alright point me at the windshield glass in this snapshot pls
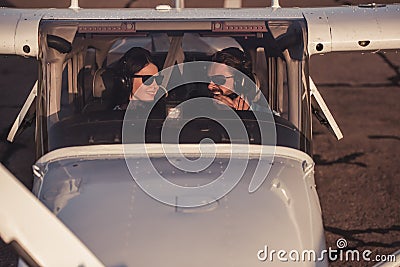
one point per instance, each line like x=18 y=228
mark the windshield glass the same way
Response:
x=193 y=83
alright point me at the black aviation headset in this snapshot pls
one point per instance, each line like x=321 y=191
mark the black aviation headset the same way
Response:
x=122 y=77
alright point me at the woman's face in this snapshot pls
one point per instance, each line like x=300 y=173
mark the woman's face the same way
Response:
x=142 y=91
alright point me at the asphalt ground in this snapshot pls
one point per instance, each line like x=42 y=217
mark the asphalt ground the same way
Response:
x=358 y=177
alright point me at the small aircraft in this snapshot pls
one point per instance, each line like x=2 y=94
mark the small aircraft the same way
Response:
x=195 y=183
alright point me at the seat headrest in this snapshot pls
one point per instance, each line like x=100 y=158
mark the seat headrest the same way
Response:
x=98 y=85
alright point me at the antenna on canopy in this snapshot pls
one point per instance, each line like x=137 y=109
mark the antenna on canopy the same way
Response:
x=74 y=4
x=179 y=3
x=275 y=4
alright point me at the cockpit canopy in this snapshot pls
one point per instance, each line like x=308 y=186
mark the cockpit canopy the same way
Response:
x=77 y=97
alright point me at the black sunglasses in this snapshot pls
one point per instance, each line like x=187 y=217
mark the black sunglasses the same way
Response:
x=218 y=79
x=149 y=79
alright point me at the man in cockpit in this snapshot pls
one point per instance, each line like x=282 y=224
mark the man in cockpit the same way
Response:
x=234 y=89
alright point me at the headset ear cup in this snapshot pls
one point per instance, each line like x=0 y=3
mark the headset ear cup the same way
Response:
x=122 y=83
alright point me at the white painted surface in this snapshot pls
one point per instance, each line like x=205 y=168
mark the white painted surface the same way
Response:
x=336 y=28
x=342 y=28
x=25 y=220
x=97 y=198
x=19 y=28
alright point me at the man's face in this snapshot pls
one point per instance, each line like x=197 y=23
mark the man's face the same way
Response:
x=222 y=86
x=224 y=74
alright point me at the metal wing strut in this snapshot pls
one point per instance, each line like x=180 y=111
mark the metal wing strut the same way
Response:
x=322 y=112
x=21 y=116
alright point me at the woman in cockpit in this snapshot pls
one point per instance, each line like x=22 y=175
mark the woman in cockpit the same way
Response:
x=137 y=78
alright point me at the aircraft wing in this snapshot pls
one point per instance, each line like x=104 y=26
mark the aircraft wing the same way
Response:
x=346 y=28
x=369 y=27
x=353 y=28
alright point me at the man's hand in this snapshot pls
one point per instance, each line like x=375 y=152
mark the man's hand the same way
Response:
x=238 y=103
